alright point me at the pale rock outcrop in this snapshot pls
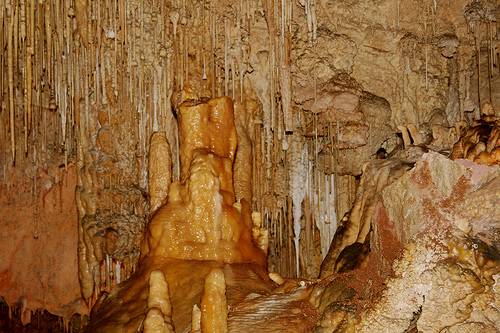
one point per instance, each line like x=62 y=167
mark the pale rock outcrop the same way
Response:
x=446 y=264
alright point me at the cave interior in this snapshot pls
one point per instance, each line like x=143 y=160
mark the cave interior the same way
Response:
x=250 y=166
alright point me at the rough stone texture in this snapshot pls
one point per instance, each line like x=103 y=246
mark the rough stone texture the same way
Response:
x=438 y=189
x=38 y=231
x=447 y=264
x=358 y=141
x=351 y=243
x=246 y=113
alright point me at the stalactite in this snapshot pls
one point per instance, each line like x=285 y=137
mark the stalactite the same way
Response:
x=490 y=58
x=10 y=74
x=299 y=157
x=286 y=81
x=477 y=40
x=426 y=67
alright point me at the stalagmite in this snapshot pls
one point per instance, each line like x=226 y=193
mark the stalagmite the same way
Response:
x=160 y=170
x=196 y=320
x=159 y=314
x=154 y=322
x=158 y=293
x=213 y=303
x=217 y=230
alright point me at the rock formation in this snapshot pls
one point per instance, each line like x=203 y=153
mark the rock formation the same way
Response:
x=413 y=236
x=292 y=153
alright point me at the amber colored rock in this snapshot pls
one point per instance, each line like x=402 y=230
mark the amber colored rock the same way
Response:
x=207 y=126
x=481 y=142
x=200 y=221
x=245 y=114
x=125 y=308
x=213 y=303
x=104 y=141
x=199 y=251
x=160 y=170
x=103 y=118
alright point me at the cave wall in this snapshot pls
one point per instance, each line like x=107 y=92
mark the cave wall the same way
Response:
x=328 y=82
x=38 y=243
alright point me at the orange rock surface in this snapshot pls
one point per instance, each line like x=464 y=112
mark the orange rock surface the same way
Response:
x=38 y=244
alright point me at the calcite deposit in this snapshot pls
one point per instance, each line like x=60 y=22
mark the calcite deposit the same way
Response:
x=481 y=142
x=201 y=242
x=447 y=277
x=252 y=165
x=201 y=219
x=407 y=247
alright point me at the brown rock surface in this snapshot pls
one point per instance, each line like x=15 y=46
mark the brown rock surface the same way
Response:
x=38 y=244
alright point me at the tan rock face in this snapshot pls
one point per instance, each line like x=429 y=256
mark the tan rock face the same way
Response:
x=417 y=240
x=427 y=206
x=351 y=243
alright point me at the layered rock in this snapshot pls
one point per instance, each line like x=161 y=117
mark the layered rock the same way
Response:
x=433 y=244
x=447 y=264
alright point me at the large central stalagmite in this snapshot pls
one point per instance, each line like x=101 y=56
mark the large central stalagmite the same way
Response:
x=198 y=249
x=201 y=220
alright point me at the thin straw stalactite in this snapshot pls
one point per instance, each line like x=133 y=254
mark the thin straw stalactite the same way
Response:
x=10 y=74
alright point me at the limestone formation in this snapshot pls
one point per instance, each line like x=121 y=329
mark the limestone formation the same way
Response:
x=214 y=304
x=146 y=144
x=200 y=220
x=160 y=170
x=481 y=142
